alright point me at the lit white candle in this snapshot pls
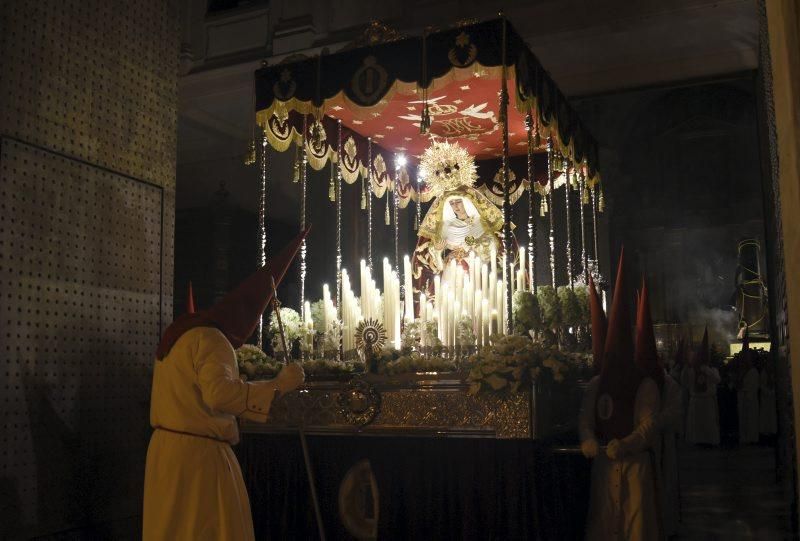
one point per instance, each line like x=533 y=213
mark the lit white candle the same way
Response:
x=476 y=314
x=493 y=258
x=484 y=278
x=501 y=295
x=522 y=268
x=408 y=289
x=485 y=319
x=492 y=294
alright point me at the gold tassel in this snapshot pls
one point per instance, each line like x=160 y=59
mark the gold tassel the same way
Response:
x=331 y=189
x=601 y=203
x=363 y=196
x=296 y=175
x=387 y=216
x=416 y=222
x=543 y=206
x=585 y=196
x=250 y=157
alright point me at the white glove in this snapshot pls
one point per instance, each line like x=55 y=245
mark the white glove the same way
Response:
x=590 y=448
x=290 y=377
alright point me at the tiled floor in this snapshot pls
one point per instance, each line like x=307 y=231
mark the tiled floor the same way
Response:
x=732 y=494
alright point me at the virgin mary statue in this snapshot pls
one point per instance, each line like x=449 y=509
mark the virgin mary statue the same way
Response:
x=461 y=220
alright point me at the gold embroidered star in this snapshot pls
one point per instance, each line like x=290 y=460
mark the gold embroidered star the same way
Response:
x=465 y=87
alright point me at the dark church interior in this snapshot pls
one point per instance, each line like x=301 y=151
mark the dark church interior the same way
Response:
x=421 y=269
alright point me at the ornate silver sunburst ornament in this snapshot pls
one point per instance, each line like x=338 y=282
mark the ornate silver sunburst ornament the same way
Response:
x=370 y=336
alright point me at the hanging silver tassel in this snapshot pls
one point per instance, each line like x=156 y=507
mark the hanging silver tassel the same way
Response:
x=388 y=216
x=363 y=196
x=332 y=187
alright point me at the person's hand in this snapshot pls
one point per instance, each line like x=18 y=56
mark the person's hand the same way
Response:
x=290 y=378
x=614 y=449
x=590 y=448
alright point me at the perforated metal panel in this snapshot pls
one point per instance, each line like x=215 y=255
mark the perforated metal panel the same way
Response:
x=80 y=266
x=88 y=97
x=93 y=79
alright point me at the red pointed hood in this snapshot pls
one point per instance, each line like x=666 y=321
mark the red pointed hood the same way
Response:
x=619 y=376
x=646 y=353
x=237 y=313
x=619 y=342
x=190 y=309
x=599 y=326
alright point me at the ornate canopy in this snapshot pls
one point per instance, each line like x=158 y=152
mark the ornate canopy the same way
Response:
x=379 y=90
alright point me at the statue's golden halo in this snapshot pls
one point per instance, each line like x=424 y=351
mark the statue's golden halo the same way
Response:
x=447 y=166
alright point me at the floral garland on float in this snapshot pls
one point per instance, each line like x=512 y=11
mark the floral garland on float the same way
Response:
x=539 y=352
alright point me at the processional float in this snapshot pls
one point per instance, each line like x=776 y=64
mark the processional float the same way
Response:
x=464 y=119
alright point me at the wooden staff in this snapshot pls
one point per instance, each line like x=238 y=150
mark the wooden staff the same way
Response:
x=303 y=443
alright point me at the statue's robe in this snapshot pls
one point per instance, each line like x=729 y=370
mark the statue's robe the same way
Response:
x=193 y=486
x=623 y=504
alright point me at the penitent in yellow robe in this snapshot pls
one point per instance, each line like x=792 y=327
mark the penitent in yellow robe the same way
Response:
x=193 y=487
x=623 y=504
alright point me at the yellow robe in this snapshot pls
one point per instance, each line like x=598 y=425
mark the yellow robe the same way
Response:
x=193 y=486
x=623 y=503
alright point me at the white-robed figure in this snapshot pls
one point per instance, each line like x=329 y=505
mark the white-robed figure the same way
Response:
x=193 y=487
x=669 y=419
x=747 y=396
x=617 y=429
x=702 y=421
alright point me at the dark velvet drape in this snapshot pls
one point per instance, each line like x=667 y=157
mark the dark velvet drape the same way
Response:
x=429 y=488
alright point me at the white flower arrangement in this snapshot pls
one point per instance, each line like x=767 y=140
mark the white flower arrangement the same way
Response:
x=465 y=335
x=317 y=314
x=254 y=363
x=411 y=337
x=414 y=362
x=513 y=362
x=333 y=336
x=293 y=328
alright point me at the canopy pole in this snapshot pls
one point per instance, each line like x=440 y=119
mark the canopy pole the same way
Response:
x=531 y=210
x=567 y=189
x=395 y=198
x=551 y=183
x=303 y=179
x=584 y=200
x=594 y=223
x=369 y=202
x=262 y=227
x=340 y=350
x=509 y=312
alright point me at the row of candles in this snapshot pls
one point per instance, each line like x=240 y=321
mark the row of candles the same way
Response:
x=477 y=293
